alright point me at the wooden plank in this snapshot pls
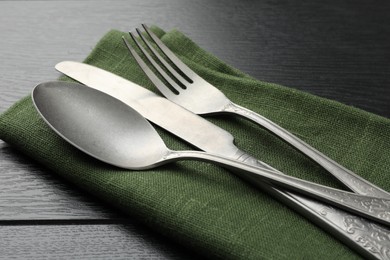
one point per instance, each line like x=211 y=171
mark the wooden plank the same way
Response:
x=336 y=49
x=120 y=241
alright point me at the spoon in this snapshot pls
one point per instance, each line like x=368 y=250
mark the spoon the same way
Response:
x=113 y=132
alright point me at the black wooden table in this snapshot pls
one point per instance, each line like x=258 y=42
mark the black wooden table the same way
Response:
x=335 y=49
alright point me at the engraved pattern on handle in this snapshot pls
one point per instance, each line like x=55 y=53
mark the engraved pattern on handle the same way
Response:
x=350 y=179
x=377 y=207
x=372 y=237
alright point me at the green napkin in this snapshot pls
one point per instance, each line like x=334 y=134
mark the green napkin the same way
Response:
x=201 y=205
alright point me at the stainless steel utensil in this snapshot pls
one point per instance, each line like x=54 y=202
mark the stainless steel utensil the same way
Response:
x=367 y=238
x=113 y=132
x=200 y=97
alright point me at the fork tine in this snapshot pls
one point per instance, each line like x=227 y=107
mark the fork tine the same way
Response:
x=156 y=81
x=170 y=55
x=183 y=81
x=156 y=66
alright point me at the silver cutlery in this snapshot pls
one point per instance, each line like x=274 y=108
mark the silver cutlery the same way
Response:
x=111 y=131
x=366 y=237
x=200 y=97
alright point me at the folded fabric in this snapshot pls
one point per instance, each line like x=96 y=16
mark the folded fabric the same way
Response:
x=203 y=206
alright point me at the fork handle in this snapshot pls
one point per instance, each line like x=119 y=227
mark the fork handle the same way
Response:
x=350 y=179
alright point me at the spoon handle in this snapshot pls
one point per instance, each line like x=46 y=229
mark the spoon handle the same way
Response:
x=377 y=209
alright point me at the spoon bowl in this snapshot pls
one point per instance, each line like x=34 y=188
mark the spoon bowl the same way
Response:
x=99 y=125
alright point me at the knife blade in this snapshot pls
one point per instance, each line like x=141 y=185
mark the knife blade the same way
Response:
x=198 y=132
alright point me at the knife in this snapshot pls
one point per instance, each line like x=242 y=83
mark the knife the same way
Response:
x=369 y=239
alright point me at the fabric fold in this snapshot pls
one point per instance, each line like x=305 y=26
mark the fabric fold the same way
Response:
x=203 y=206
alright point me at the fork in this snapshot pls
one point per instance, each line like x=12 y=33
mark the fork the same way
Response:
x=189 y=90
x=359 y=233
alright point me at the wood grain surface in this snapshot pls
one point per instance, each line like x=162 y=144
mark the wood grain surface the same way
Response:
x=335 y=49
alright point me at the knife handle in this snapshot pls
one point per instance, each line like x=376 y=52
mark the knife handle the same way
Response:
x=370 y=239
